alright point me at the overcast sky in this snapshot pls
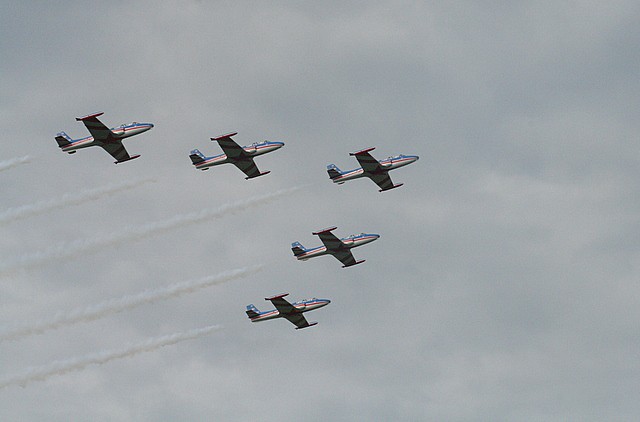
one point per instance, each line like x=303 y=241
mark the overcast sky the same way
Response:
x=505 y=282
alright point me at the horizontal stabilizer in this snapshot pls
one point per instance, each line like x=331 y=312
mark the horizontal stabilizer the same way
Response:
x=355 y=263
x=392 y=187
x=327 y=230
x=228 y=135
x=133 y=157
x=311 y=324
x=280 y=296
x=89 y=116
x=362 y=151
x=258 y=175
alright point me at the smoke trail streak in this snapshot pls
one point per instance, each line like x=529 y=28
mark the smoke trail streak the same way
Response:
x=61 y=367
x=68 y=199
x=13 y=162
x=113 y=306
x=83 y=246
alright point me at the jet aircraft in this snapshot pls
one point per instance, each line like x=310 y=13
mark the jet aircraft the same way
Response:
x=109 y=139
x=241 y=157
x=339 y=248
x=378 y=171
x=291 y=311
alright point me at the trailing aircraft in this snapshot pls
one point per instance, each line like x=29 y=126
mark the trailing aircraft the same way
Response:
x=109 y=139
x=241 y=157
x=290 y=311
x=378 y=171
x=339 y=248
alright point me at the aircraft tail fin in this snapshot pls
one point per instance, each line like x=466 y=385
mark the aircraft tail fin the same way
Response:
x=334 y=173
x=252 y=311
x=63 y=139
x=196 y=157
x=298 y=249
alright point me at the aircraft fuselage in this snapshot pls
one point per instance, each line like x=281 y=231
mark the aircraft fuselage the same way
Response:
x=299 y=307
x=252 y=150
x=390 y=163
x=352 y=241
x=118 y=133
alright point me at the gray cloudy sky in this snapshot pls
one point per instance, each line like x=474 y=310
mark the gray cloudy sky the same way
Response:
x=505 y=283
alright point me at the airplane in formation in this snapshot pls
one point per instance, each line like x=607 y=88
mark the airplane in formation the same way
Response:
x=290 y=311
x=378 y=171
x=241 y=157
x=339 y=248
x=109 y=139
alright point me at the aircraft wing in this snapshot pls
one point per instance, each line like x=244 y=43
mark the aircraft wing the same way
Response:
x=298 y=320
x=383 y=181
x=368 y=163
x=347 y=259
x=281 y=304
x=329 y=239
x=118 y=151
x=248 y=167
x=287 y=311
x=230 y=147
x=97 y=129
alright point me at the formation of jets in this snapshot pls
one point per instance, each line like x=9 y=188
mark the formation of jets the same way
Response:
x=110 y=139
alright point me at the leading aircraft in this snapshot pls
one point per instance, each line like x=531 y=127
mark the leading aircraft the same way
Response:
x=109 y=139
x=241 y=157
x=291 y=311
x=339 y=248
x=378 y=171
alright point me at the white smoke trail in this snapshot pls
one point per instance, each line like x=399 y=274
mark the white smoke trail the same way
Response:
x=13 y=162
x=61 y=367
x=78 y=247
x=68 y=199
x=113 y=306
